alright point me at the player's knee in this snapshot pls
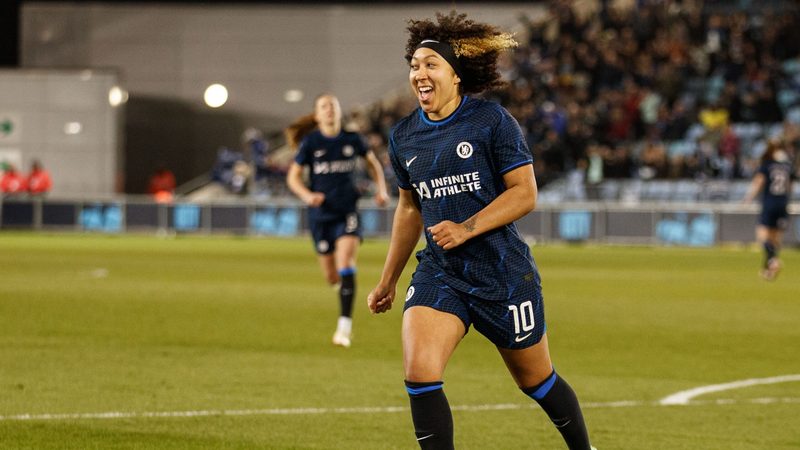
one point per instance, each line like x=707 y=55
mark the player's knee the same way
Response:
x=422 y=374
x=541 y=389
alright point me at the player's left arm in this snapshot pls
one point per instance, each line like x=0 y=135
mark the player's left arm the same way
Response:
x=375 y=170
x=518 y=199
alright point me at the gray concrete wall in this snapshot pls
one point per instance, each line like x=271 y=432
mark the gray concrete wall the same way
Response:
x=258 y=51
x=64 y=119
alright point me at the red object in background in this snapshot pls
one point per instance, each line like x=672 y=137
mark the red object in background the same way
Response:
x=163 y=197
x=162 y=180
x=12 y=182
x=39 y=181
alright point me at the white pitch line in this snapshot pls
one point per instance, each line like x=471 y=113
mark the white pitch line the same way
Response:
x=354 y=410
x=683 y=397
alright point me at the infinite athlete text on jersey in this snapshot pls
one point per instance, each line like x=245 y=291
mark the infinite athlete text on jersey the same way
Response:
x=449 y=185
x=340 y=166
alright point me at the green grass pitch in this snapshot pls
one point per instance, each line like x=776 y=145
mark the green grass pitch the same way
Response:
x=138 y=342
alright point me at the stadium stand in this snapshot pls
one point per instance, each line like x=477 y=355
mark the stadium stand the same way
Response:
x=678 y=98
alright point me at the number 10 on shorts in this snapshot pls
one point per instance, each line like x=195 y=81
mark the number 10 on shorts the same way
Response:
x=523 y=315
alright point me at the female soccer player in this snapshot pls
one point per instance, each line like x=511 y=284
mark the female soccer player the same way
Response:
x=331 y=154
x=774 y=177
x=466 y=175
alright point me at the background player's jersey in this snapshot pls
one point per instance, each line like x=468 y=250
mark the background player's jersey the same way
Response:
x=778 y=178
x=332 y=166
x=455 y=167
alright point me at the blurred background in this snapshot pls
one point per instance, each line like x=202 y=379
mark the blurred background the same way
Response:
x=134 y=76
x=153 y=114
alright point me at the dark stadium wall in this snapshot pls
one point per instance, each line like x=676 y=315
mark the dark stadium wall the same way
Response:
x=180 y=136
x=9 y=33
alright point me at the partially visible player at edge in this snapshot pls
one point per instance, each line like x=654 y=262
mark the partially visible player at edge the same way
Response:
x=331 y=155
x=774 y=181
x=465 y=175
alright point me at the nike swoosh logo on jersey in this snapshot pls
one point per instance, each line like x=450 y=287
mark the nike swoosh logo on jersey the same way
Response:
x=409 y=161
x=424 y=437
x=522 y=338
x=319 y=153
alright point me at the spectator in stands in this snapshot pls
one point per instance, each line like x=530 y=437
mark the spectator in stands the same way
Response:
x=729 y=149
x=767 y=106
x=714 y=116
x=594 y=168
x=653 y=162
x=256 y=149
x=12 y=182
x=617 y=161
x=231 y=171
x=38 y=181
x=162 y=184
x=576 y=140
x=774 y=182
x=678 y=122
x=240 y=177
x=551 y=154
x=744 y=107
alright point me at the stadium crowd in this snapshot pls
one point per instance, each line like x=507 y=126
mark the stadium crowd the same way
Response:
x=615 y=90
x=644 y=90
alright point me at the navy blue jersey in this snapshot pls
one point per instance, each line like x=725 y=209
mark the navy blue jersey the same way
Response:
x=455 y=167
x=777 y=183
x=332 y=163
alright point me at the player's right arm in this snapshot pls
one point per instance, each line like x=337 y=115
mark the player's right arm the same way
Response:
x=755 y=187
x=294 y=179
x=406 y=230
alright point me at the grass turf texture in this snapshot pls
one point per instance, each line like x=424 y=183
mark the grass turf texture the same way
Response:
x=136 y=325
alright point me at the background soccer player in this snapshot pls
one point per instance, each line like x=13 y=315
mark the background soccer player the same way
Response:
x=465 y=175
x=331 y=155
x=774 y=178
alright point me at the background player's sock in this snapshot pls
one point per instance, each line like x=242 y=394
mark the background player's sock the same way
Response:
x=433 y=421
x=343 y=335
x=347 y=291
x=345 y=325
x=560 y=403
x=769 y=253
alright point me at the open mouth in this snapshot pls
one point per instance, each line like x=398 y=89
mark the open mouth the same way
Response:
x=425 y=93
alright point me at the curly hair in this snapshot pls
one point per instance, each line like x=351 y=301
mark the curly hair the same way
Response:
x=477 y=46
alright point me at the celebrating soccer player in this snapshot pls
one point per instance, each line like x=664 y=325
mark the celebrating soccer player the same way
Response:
x=465 y=175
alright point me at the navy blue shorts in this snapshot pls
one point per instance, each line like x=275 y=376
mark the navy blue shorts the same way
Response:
x=513 y=324
x=776 y=217
x=326 y=233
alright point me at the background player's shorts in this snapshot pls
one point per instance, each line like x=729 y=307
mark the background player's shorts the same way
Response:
x=326 y=233
x=514 y=324
x=774 y=217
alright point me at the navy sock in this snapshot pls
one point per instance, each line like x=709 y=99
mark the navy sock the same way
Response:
x=433 y=421
x=770 y=252
x=347 y=291
x=559 y=401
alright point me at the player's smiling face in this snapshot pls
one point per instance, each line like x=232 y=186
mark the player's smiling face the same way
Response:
x=434 y=83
